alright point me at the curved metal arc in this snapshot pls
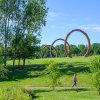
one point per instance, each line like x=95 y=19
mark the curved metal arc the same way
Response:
x=56 y=41
x=42 y=53
x=79 y=30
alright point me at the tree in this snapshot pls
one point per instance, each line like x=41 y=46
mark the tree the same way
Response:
x=4 y=25
x=3 y=70
x=82 y=49
x=29 y=46
x=95 y=68
x=26 y=46
x=74 y=50
x=53 y=73
x=60 y=50
x=9 y=22
x=45 y=51
x=95 y=48
x=21 y=17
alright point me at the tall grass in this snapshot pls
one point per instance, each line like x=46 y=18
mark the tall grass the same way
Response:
x=13 y=94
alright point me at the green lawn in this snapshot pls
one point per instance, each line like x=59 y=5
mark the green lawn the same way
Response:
x=60 y=60
x=66 y=94
x=32 y=75
x=60 y=93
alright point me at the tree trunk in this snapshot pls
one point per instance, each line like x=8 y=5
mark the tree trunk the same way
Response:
x=6 y=34
x=5 y=41
x=24 y=61
x=19 y=61
x=14 y=57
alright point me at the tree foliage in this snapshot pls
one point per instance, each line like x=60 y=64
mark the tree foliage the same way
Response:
x=95 y=68
x=74 y=50
x=53 y=73
x=19 y=19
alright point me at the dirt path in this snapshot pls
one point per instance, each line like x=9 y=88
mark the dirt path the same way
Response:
x=59 y=87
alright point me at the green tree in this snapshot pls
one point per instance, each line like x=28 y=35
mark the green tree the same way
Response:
x=53 y=73
x=74 y=50
x=21 y=17
x=60 y=50
x=82 y=49
x=45 y=51
x=29 y=46
x=26 y=46
x=4 y=25
x=3 y=70
x=95 y=48
x=95 y=68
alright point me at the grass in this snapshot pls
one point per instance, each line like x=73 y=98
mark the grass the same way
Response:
x=59 y=60
x=13 y=94
x=32 y=76
x=66 y=94
x=61 y=93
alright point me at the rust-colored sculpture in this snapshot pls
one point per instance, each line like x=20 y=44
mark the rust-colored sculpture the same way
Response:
x=67 y=47
x=66 y=44
x=48 y=46
x=79 y=30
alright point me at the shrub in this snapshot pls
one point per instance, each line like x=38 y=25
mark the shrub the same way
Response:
x=97 y=81
x=53 y=73
x=13 y=94
x=3 y=70
x=95 y=64
x=95 y=68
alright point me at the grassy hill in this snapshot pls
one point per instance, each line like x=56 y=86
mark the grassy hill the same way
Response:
x=32 y=75
x=59 y=60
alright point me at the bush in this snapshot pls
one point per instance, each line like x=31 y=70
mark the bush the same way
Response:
x=53 y=73
x=97 y=81
x=95 y=68
x=3 y=70
x=95 y=64
x=13 y=94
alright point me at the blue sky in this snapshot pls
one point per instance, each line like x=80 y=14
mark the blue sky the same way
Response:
x=65 y=15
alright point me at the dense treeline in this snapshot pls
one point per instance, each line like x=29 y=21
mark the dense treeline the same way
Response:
x=34 y=51
x=75 y=50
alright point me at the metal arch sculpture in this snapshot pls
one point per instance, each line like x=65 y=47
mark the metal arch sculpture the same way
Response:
x=42 y=53
x=56 y=41
x=84 y=33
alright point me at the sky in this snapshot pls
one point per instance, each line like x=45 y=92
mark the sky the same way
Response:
x=66 y=15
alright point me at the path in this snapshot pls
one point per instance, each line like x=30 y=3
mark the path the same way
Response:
x=59 y=87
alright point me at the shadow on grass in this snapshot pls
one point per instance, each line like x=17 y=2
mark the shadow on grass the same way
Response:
x=36 y=70
x=76 y=67
x=61 y=90
x=30 y=71
x=33 y=93
x=42 y=90
x=74 y=89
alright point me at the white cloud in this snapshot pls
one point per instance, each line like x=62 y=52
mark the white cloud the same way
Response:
x=92 y=27
x=52 y=14
x=97 y=29
x=84 y=27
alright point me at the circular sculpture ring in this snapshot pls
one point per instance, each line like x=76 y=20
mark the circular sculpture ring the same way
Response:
x=79 y=30
x=67 y=47
x=42 y=53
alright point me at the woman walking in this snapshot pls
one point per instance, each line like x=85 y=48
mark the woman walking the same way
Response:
x=74 y=80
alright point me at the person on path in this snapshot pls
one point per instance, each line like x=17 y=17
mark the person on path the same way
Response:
x=75 y=81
